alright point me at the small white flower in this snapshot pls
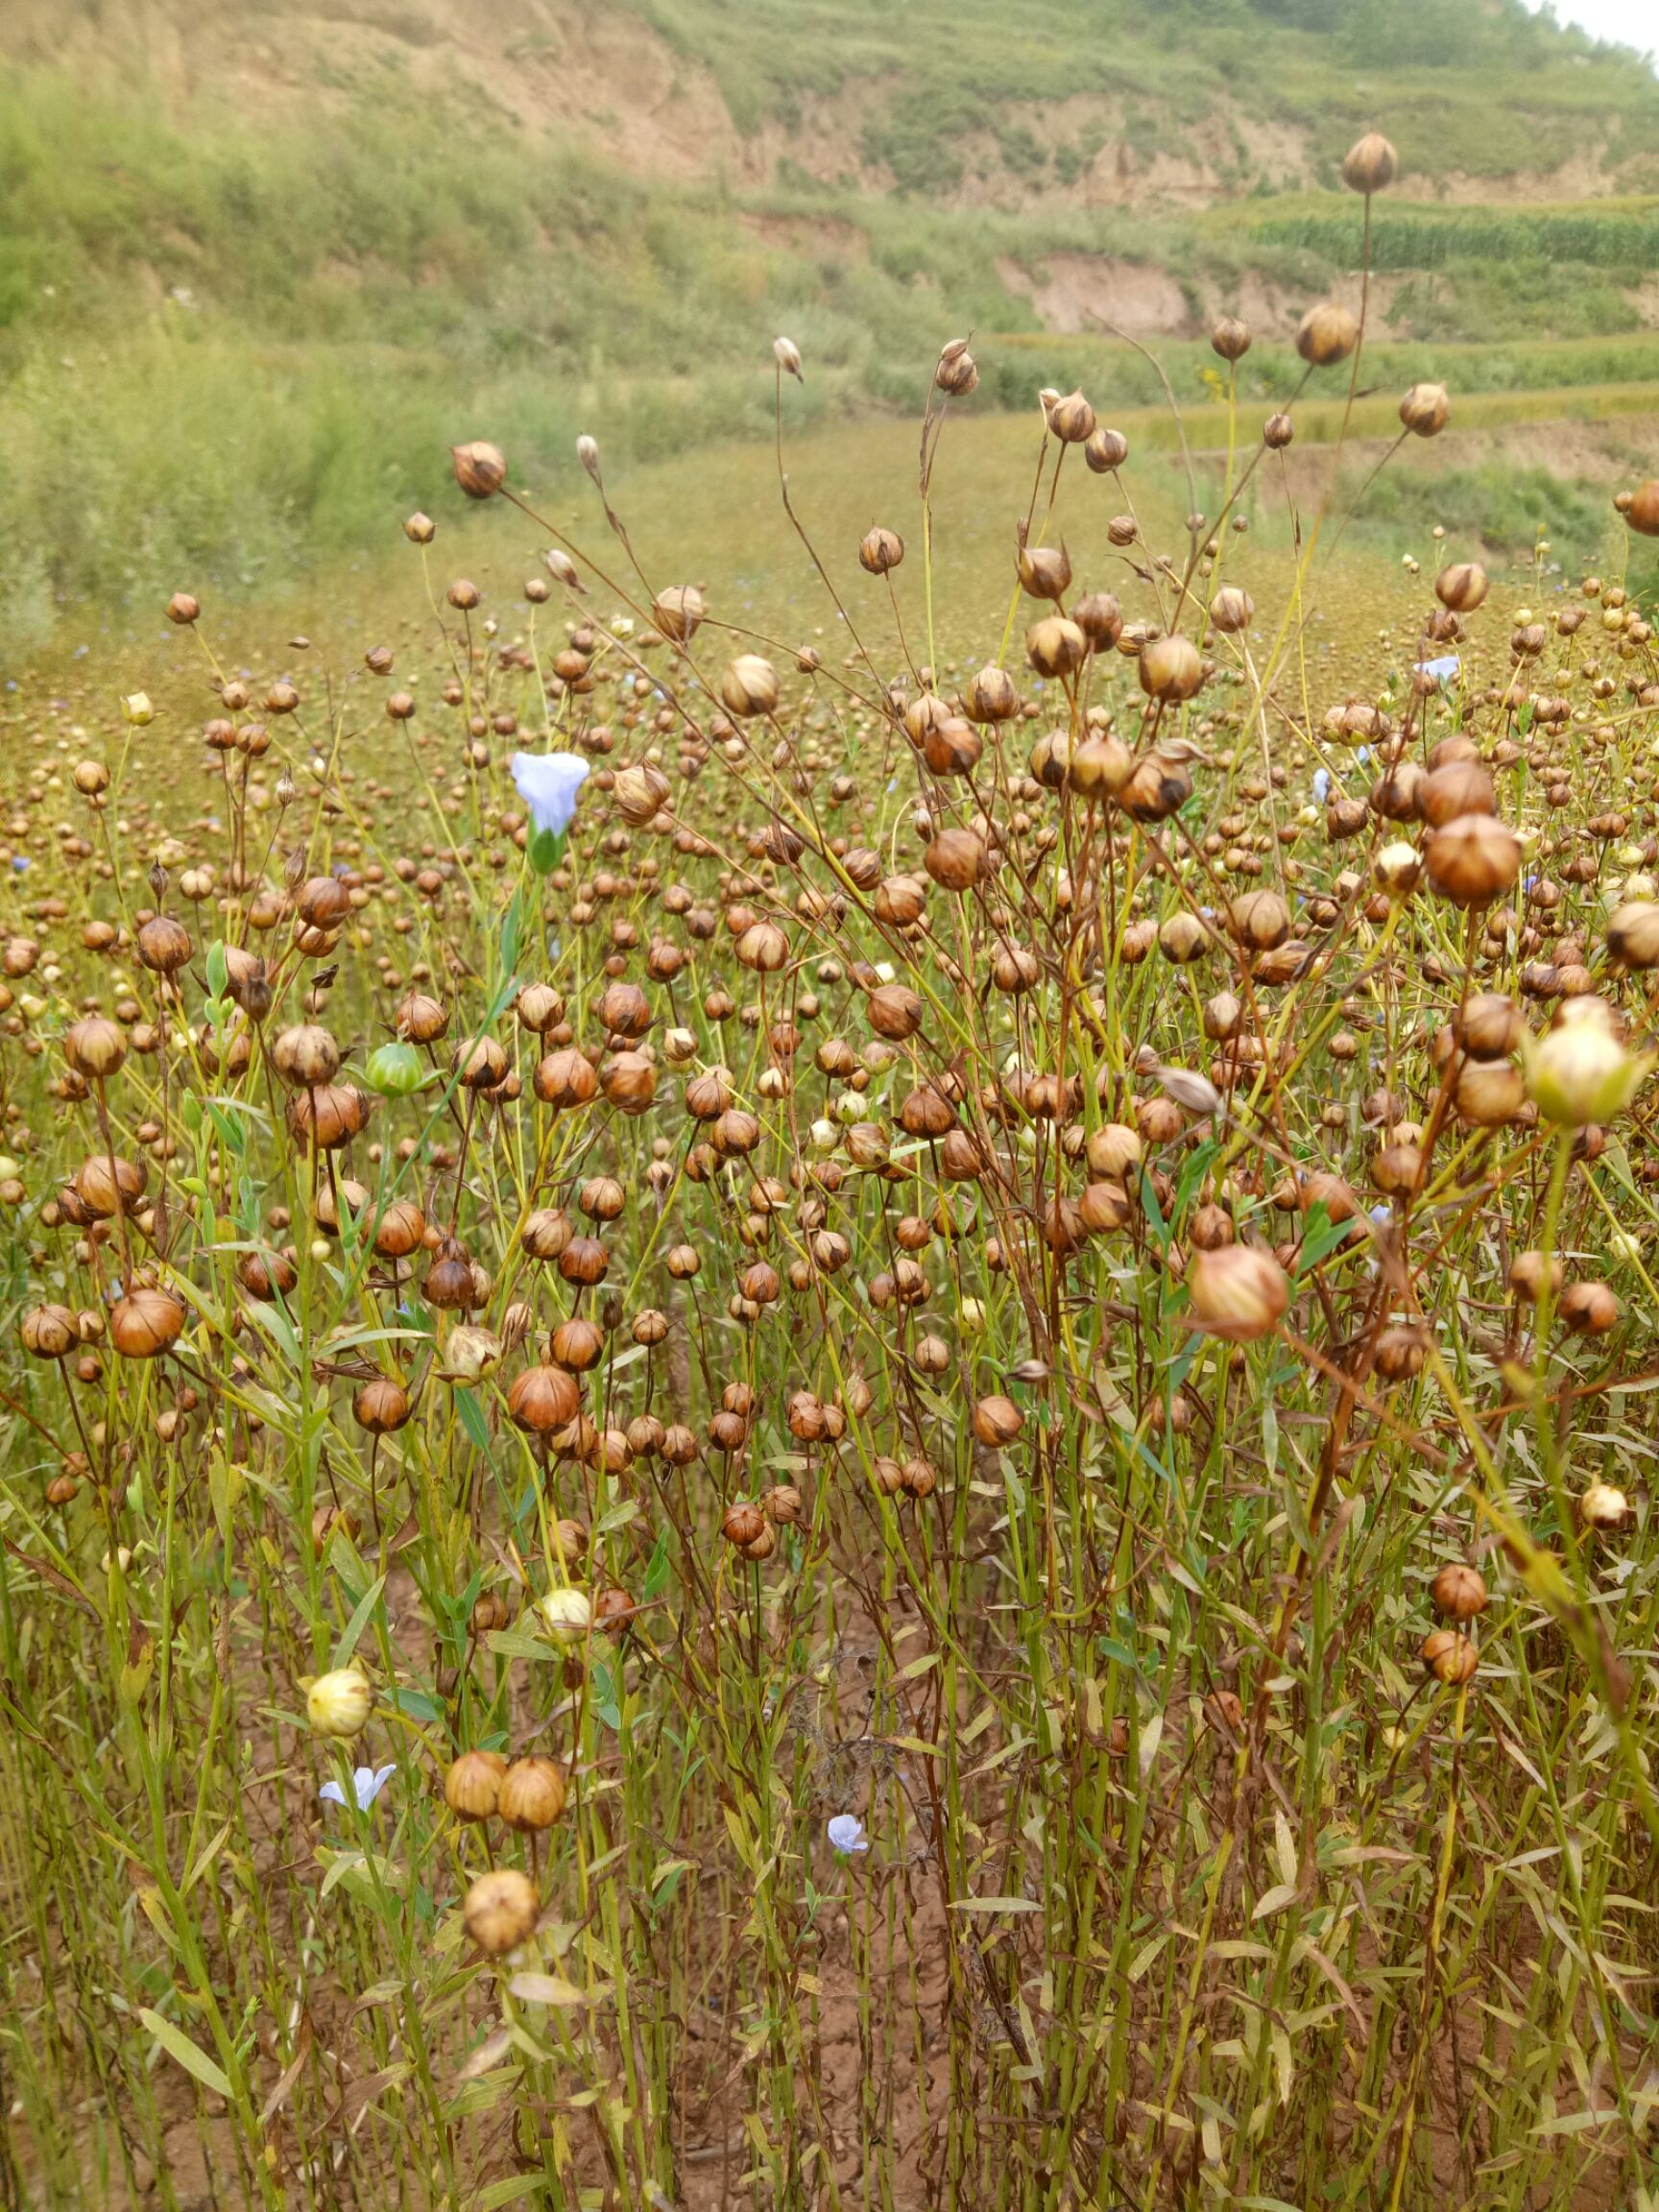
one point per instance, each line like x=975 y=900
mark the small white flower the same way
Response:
x=548 y=784
x=846 y=1835
x=368 y=1782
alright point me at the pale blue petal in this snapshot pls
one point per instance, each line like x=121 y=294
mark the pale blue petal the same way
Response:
x=331 y=1794
x=548 y=783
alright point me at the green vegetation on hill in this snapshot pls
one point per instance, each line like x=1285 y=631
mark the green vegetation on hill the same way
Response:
x=1485 y=91
x=229 y=346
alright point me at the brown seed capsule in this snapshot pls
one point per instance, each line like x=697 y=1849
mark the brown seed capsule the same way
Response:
x=1106 y=451
x=1230 y=339
x=1370 y=164
x=920 y=1477
x=1238 y=1293
x=543 y=1400
x=881 y=552
x=1643 y=512
x=950 y=748
x=565 y=1079
x=956 y=374
x=1398 y=1170
x=489 y=1613
x=473 y=1785
x=783 y=1505
x=1425 y=410
x=1182 y=939
x=381 y=1406
x=400 y=1230
x=678 y=611
x=501 y=1910
x=1072 y=419
x=996 y=1421
x=49 y=1332
x=164 y=944
x=1400 y=1353
x=1458 y=1591
x=1326 y=335
x=629 y=1082
x=989 y=696
x=1590 y=1309
x=1632 y=933
x=1489 y=1026
x=1449 y=1657
x=1055 y=646
x=1463 y=587
x=1045 y=570
x=887 y=1474
x=1277 y=432
x=306 y=1057
x=94 y=1048
x=957 y=859
x=545 y=1232
x=1473 y=859
x=419 y=1019
x=1526 y=1275
x=645 y=1436
x=1171 y=668
x=1232 y=608
x=104 y=1187
x=749 y=687
x=330 y=1117
x=1259 y=921
x=577 y=1345
x=895 y=1011
x=146 y=1323
x=1104 y=1208
x=1460 y=787
x=1224 y=1711
x=538 y=1008
x=532 y=1794
x=479 y=1063
x=1099 y=617
x=1490 y=1093
x=480 y=468
x=742 y=1523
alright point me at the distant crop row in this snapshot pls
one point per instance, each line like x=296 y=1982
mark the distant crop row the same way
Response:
x=1611 y=241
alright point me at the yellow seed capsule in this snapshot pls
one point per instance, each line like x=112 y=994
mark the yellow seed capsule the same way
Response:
x=501 y=1910
x=337 y=1703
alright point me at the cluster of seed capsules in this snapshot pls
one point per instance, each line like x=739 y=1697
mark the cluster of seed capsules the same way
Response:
x=922 y=1074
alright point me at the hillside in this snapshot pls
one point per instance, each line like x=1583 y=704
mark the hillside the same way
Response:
x=1100 y=104
x=314 y=243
